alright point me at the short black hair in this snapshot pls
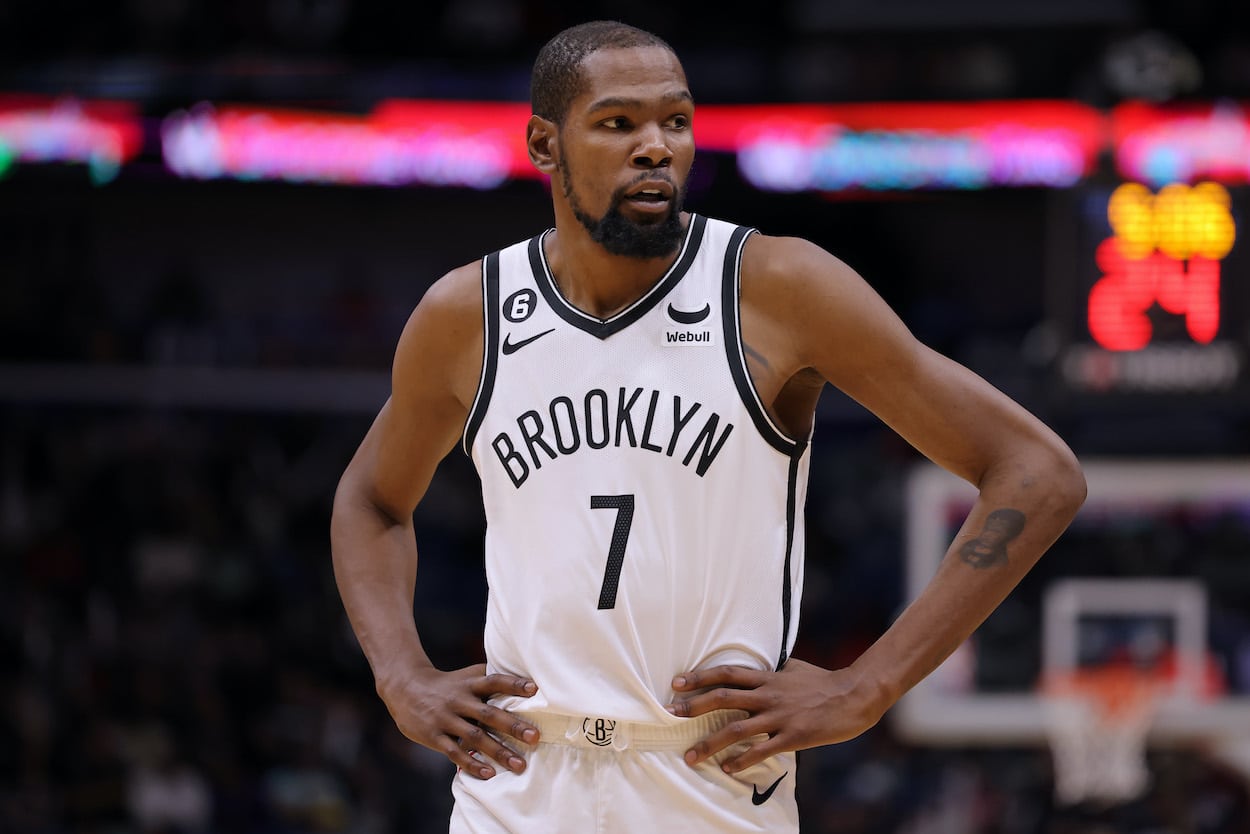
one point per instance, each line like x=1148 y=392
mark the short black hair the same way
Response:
x=557 y=76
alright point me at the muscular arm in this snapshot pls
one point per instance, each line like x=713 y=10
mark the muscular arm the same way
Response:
x=434 y=378
x=809 y=316
x=1030 y=483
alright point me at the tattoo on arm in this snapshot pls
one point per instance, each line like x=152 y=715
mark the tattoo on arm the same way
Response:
x=752 y=353
x=990 y=548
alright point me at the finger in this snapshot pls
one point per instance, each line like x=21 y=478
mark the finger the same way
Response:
x=474 y=738
x=736 y=676
x=502 y=721
x=498 y=684
x=731 y=733
x=705 y=702
x=463 y=759
x=753 y=755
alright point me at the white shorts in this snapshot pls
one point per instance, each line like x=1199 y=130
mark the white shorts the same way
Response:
x=589 y=775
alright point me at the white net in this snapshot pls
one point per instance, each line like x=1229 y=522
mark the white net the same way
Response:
x=1097 y=726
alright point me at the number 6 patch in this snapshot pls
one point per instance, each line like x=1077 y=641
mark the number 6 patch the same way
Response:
x=520 y=305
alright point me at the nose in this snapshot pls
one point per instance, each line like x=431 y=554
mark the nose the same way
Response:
x=653 y=150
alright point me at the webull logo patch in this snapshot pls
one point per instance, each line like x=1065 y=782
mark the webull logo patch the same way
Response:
x=681 y=338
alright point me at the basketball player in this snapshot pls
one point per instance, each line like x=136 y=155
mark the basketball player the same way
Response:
x=637 y=388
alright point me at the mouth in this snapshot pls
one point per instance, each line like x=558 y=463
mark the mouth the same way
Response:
x=651 y=196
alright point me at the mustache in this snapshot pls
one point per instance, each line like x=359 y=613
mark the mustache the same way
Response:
x=646 y=176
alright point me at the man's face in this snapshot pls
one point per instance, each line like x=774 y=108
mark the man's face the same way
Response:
x=626 y=150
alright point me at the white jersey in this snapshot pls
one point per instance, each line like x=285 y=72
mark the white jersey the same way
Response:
x=644 y=514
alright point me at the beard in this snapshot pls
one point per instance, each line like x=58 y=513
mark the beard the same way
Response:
x=621 y=236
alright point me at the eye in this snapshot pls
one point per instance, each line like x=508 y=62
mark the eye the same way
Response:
x=615 y=123
x=679 y=122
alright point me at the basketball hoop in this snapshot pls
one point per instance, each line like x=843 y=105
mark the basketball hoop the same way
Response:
x=1097 y=719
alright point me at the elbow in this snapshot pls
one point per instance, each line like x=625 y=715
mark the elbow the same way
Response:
x=347 y=495
x=1043 y=473
x=1066 y=480
x=355 y=497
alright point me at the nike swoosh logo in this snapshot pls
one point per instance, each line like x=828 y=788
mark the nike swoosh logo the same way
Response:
x=682 y=317
x=510 y=348
x=758 y=798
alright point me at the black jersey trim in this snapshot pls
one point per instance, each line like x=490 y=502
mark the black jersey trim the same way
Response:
x=787 y=588
x=603 y=328
x=731 y=293
x=490 y=349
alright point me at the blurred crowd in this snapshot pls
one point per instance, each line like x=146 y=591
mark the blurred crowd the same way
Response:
x=181 y=661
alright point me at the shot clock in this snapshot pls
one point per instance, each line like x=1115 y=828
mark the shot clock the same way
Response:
x=1150 y=289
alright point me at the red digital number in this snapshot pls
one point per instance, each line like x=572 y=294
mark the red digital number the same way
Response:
x=1119 y=301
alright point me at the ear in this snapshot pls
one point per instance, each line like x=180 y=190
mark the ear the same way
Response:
x=542 y=140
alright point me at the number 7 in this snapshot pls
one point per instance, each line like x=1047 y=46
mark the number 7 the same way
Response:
x=624 y=506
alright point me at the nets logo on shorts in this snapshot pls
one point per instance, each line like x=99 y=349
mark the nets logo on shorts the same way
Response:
x=598 y=731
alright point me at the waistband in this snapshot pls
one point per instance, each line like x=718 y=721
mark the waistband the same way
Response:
x=598 y=732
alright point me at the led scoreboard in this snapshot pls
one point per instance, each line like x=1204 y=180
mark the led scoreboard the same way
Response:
x=1151 y=294
x=1165 y=249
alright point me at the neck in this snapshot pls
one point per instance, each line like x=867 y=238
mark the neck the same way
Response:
x=594 y=280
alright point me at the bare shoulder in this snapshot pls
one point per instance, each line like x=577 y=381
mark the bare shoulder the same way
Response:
x=792 y=265
x=830 y=314
x=813 y=312
x=454 y=297
x=441 y=347
x=433 y=378
x=786 y=260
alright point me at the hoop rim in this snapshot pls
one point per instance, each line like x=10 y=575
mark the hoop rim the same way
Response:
x=1119 y=692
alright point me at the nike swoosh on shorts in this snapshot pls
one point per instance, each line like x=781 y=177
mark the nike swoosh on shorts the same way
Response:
x=758 y=798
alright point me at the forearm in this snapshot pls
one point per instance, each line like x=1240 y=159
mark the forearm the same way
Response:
x=1023 y=506
x=375 y=566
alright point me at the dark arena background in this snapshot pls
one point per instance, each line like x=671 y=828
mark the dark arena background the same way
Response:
x=215 y=218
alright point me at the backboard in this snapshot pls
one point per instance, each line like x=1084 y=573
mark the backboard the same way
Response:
x=1157 y=561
